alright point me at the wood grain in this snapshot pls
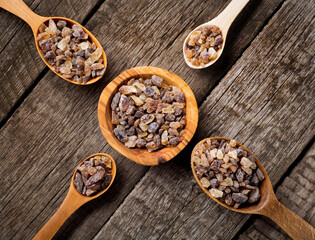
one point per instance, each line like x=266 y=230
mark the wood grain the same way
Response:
x=56 y=125
x=9 y=24
x=297 y=193
x=142 y=156
x=20 y=63
x=260 y=102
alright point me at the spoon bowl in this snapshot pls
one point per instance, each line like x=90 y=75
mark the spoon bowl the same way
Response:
x=219 y=51
x=265 y=186
x=224 y=20
x=268 y=205
x=71 y=203
x=20 y=9
x=141 y=155
x=85 y=198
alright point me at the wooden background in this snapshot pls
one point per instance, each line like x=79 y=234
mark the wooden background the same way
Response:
x=261 y=92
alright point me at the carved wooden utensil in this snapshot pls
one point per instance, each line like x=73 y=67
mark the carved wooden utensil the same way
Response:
x=20 y=9
x=72 y=202
x=268 y=204
x=224 y=20
x=142 y=156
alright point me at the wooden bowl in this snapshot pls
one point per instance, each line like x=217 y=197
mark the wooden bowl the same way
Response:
x=141 y=155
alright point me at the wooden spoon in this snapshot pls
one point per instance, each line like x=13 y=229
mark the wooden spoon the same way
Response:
x=20 y=9
x=268 y=204
x=142 y=156
x=71 y=203
x=224 y=20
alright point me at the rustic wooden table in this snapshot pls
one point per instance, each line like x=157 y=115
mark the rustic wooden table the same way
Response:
x=261 y=92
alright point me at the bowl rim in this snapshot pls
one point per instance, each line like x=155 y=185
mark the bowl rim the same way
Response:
x=142 y=156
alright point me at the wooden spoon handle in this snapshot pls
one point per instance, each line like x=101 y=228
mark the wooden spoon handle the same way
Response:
x=20 y=9
x=291 y=223
x=227 y=16
x=69 y=206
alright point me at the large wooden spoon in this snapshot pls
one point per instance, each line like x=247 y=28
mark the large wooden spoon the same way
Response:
x=20 y=9
x=224 y=20
x=268 y=204
x=72 y=202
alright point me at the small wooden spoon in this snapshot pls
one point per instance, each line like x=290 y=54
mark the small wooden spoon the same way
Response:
x=141 y=155
x=20 y=9
x=71 y=203
x=268 y=204
x=224 y=20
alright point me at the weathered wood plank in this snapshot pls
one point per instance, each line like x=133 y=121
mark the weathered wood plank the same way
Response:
x=56 y=126
x=20 y=63
x=261 y=102
x=297 y=193
x=9 y=25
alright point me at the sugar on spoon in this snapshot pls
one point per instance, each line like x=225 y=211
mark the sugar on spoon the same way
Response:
x=71 y=203
x=20 y=9
x=224 y=20
x=268 y=205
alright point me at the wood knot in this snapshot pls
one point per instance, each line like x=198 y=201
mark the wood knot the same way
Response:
x=161 y=160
